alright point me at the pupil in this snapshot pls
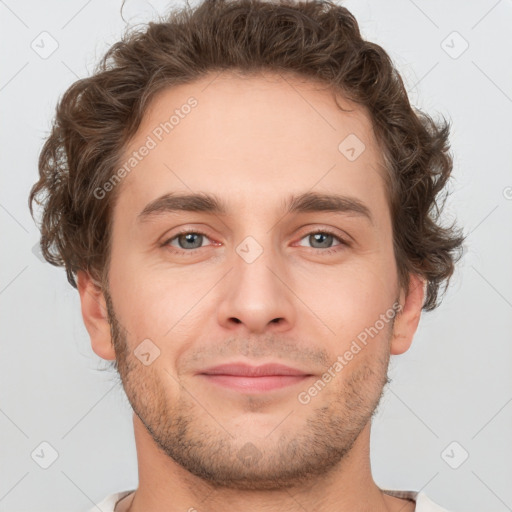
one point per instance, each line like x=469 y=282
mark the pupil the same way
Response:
x=319 y=236
x=189 y=238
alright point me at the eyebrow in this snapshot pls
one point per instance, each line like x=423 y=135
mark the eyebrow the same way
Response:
x=209 y=203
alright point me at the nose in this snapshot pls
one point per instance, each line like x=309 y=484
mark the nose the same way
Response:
x=256 y=296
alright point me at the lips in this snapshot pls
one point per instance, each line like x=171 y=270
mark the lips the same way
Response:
x=245 y=370
x=253 y=379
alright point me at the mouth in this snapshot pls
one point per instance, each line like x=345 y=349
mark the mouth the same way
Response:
x=254 y=379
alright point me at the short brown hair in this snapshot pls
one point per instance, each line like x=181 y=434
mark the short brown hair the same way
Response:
x=319 y=40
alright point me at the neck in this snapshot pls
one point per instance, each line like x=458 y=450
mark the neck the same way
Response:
x=164 y=485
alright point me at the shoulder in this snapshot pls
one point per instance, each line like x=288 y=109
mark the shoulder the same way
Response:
x=423 y=502
x=108 y=504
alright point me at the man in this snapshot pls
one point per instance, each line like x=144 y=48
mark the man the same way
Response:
x=246 y=202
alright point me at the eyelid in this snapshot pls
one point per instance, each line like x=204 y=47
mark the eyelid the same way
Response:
x=328 y=231
x=186 y=231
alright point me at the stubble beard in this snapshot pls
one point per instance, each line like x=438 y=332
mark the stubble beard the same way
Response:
x=282 y=459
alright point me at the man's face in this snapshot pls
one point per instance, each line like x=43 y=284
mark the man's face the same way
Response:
x=254 y=284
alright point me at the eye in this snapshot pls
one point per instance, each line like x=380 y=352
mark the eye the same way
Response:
x=323 y=239
x=186 y=241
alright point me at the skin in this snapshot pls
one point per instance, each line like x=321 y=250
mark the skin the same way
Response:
x=252 y=141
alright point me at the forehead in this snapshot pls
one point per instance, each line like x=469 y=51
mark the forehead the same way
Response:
x=259 y=135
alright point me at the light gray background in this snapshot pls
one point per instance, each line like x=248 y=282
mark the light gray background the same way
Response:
x=455 y=384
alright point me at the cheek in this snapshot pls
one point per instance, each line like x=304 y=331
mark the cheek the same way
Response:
x=351 y=297
x=159 y=303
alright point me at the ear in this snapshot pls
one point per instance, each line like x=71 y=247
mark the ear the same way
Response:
x=407 y=320
x=94 y=313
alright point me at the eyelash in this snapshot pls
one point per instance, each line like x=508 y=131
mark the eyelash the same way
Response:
x=328 y=250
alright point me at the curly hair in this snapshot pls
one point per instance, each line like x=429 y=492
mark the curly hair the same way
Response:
x=317 y=40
